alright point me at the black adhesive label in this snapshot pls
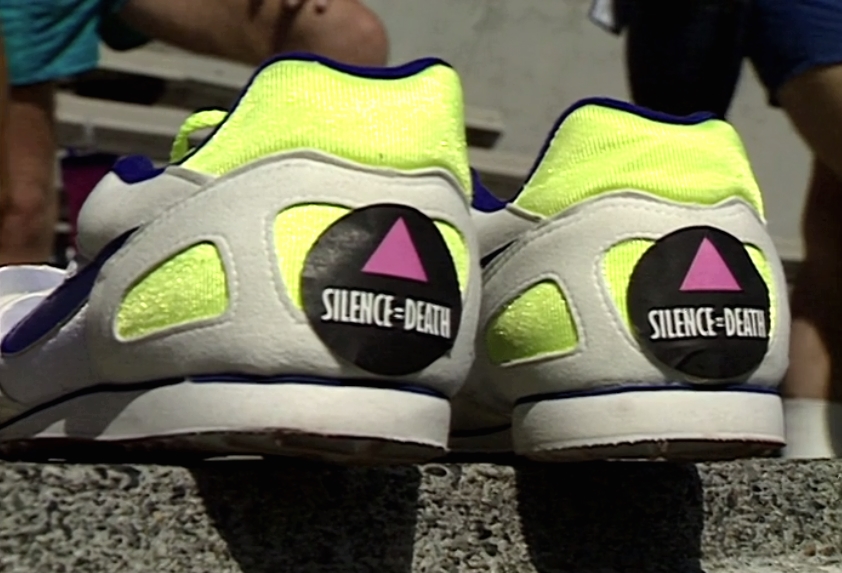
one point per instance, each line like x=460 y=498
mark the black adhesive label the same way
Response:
x=699 y=306
x=380 y=289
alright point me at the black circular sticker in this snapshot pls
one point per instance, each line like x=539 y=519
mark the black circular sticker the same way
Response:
x=380 y=289
x=699 y=306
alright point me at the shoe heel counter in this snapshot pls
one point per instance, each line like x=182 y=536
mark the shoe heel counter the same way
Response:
x=233 y=280
x=599 y=149
x=571 y=307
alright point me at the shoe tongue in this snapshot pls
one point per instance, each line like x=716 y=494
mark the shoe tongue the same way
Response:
x=601 y=146
x=407 y=118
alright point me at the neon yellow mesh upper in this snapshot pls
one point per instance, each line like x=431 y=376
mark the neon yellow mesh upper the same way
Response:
x=600 y=149
x=411 y=123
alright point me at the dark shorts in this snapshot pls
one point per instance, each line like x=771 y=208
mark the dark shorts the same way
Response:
x=686 y=56
x=52 y=39
x=789 y=37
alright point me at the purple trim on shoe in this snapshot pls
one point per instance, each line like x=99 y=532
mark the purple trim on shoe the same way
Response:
x=135 y=169
x=484 y=200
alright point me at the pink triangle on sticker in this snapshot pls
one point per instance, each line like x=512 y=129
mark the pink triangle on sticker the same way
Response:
x=396 y=256
x=708 y=272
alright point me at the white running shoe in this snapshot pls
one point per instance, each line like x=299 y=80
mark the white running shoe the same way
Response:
x=634 y=305
x=305 y=282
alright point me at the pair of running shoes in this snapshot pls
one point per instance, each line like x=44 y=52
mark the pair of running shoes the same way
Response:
x=324 y=276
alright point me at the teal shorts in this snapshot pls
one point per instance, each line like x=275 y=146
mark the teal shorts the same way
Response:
x=53 y=39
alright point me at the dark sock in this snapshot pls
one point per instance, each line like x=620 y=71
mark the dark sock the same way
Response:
x=684 y=56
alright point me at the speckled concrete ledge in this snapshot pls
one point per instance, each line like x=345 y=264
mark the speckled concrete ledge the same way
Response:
x=253 y=517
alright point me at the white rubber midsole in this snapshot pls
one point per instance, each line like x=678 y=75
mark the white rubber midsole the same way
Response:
x=813 y=429
x=192 y=407
x=632 y=417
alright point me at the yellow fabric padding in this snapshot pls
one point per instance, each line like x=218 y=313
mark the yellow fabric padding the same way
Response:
x=600 y=150
x=536 y=323
x=412 y=123
x=189 y=287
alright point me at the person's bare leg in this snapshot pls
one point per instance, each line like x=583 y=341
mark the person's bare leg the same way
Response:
x=30 y=204
x=816 y=342
x=813 y=102
x=252 y=30
x=4 y=137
